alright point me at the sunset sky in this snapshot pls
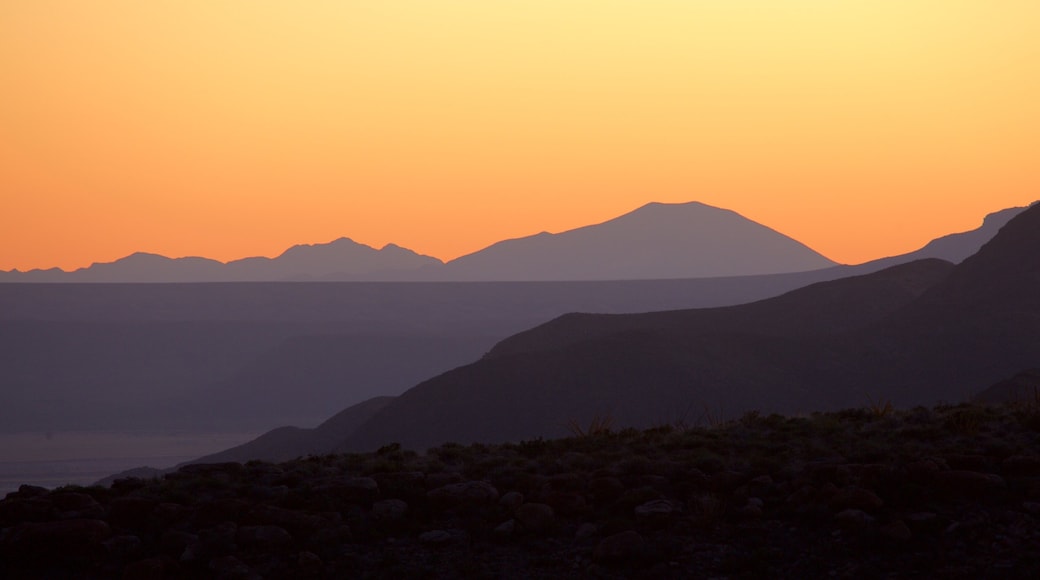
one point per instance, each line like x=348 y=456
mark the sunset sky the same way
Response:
x=233 y=128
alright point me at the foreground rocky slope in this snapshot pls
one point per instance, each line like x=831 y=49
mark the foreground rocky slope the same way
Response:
x=947 y=492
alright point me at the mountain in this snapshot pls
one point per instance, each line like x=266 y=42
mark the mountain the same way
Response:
x=647 y=368
x=956 y=247
x=913 y=334
x=285 y=443
x=342 y=259
x=658 y=240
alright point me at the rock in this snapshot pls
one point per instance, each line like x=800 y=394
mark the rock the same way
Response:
x=762 y=485
x=218 y=540
x=658 y=482
x=173 y=543
x=657 y=508
x=229 y=567
x=307 y=560
x=620 y=548
x=801 y=495
x=211 y=470
x=26 y=491
x=266 y=538
x=389 y=509
x=438 y=480
x=167 y=514
x=123 y=547
x=435 y=537
x=969 y=483
x=966 y=462
x=853 y=519
x=297 y=523
x=76 y=506
x=64 y=538
x=751 y=511
x=535 y=517
x=695 y=477
x=511 y=500
x=923 y=471
x=18 y=511
x=505 y=529
x=268 y=493
x=131 y=512
x=855 y=498
x=709 y=506
x=727 y=481
x=896 y=530
x=924 y=522
x=1021 y=465
x=349 y=489
x=229 y=509
x=480 y=491
x=586 y=531
x=566 y=503
x=148 y=569
x=606 y=488
x=1031 y=507
x=566 y=482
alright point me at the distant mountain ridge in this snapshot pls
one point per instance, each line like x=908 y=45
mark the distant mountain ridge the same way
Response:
x=342 y=257
x=654 y=242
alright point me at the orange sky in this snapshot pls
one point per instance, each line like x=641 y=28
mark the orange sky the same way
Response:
x=230 y=128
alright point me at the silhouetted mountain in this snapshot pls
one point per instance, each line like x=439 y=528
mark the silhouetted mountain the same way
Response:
x=656 y=241
x=1024 y=387
x=909 y=334
x=646 y=368
x=689 y=240
x=256 y=355
x=956 y=247
x=343 y=259
x=285 y=443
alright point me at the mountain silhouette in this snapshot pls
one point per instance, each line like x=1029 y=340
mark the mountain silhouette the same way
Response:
x=658 y=240
x=956 y=247
x=343 y=259
x=913 y=334
x=286 y=443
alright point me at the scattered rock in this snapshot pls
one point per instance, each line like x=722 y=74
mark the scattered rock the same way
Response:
x=535 y=517
x=619 y=548
x=657 y=508
x=465 y=491
x=856 y=498
x=511 y=500
x=435 y=537
x=853 y=519
x=896 y=530
x=389 y=509
x=969 y=483
x=505 y=529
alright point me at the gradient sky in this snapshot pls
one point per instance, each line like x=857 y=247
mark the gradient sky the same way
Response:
x=232 y=128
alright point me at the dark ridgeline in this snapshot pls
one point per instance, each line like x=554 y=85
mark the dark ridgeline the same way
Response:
x=914 y=334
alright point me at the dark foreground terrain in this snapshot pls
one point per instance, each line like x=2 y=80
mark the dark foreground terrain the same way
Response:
x=952 y=491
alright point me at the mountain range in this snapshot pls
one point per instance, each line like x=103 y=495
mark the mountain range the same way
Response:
x=921 y=331
x=656 y=241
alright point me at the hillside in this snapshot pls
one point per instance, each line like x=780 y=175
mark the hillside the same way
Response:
x=936 y=339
